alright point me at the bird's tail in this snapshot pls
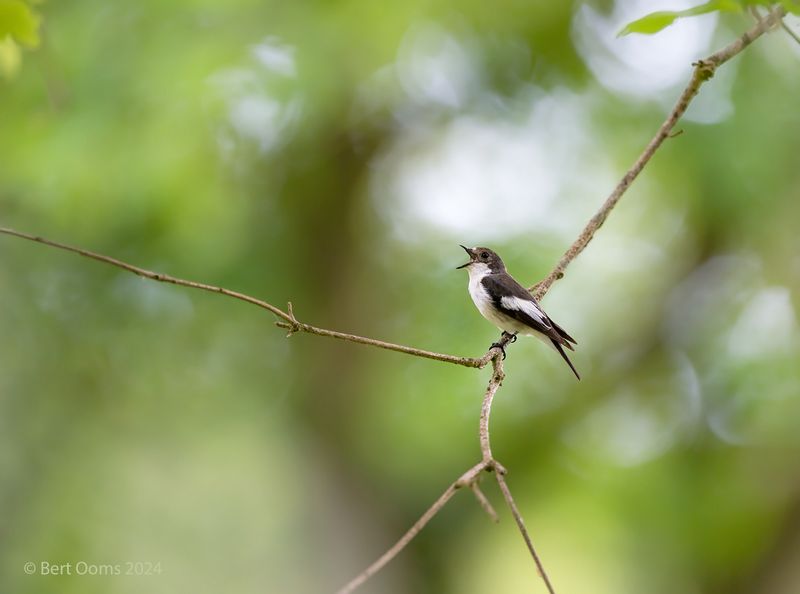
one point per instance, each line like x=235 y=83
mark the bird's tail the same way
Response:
x=564 y=355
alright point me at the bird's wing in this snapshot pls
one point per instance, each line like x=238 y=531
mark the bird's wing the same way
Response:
x=515 y=301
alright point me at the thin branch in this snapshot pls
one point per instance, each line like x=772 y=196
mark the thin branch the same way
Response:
x=703 y=70
x=755 y=13
x=290 y=322
x=464 y=480
x=478 y=363
x=484 y=502
x=757 y=16
x=486 y=408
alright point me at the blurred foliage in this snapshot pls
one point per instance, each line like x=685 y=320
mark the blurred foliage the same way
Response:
x=18 y=21
x=19 y=24
x=335 y=154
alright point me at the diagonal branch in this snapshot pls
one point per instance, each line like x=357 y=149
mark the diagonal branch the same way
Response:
x=498 y=375
x=290 y=321
x=477 y=362
x=703 y=71
x=484 y=502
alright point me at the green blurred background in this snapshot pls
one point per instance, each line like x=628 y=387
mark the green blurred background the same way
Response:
x=335 y=154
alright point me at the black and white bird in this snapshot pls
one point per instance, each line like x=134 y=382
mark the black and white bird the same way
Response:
x=508 y=305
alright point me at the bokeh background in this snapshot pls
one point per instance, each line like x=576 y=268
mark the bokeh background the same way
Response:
x=335 y=154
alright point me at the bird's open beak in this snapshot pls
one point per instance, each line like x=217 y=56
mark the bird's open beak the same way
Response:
x=471 y=258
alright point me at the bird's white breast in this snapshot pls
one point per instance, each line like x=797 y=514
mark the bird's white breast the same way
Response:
x=483 y=301
x=478 y=293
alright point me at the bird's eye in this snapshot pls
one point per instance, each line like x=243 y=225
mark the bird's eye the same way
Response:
x=484 y=255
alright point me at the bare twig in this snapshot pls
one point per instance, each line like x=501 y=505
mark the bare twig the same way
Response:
x=290 y=322
x=757 y=16
x=486 y=409
x=755 y=13
x=477 y=362
x=703 y=70
x=484 y=502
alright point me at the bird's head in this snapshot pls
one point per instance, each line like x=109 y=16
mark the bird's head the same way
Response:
x=484 y=258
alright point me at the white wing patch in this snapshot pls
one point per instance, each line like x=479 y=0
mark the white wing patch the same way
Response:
x=529 y=307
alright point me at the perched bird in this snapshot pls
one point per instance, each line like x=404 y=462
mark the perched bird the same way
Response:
x=508 y=305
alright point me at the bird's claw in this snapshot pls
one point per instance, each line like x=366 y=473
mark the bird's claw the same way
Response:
x=501 y=347
x=507 y=338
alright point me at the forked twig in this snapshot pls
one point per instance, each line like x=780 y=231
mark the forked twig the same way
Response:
x=484 y=502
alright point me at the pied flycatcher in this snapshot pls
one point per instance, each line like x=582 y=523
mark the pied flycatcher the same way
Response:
x=508 y=305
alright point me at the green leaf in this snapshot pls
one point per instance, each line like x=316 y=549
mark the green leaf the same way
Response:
x=656 y=21
x=652 y=23
x=19 y=22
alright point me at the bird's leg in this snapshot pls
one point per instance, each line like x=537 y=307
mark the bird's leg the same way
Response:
x=506 y=338
x=500 y=346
